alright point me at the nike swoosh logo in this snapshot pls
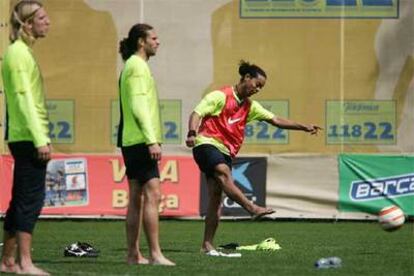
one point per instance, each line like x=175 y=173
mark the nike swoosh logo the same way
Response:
x=232 y=121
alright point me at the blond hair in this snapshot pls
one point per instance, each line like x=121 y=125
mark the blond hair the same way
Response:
x=22 y=14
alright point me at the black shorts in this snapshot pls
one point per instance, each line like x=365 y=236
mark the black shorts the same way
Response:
x=208 y=157
x=28 y=192
x=139 y=164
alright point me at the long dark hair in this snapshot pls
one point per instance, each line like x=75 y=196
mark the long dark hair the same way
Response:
x=129 y=45
x=253 y=70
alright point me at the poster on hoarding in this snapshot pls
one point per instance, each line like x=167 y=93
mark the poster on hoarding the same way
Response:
x=96 y=185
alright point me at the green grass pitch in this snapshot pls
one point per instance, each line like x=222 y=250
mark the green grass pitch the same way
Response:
x=365 y=249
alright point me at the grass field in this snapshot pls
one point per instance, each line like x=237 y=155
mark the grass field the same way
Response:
x=365 y=249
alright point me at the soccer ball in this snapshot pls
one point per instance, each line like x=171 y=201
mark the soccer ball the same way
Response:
x=391 y=218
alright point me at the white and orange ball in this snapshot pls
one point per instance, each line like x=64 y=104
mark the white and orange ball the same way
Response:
x=391 y=218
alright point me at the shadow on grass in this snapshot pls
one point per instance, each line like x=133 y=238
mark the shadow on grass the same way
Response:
x=180 y=251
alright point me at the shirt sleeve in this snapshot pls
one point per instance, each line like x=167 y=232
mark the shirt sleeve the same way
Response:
x=138 y=87
x=259 y=113
x=20 y=81
x=212 y=104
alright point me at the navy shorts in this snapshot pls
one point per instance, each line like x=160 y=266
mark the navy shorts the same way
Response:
x=28 y=192
x=139 y=164
x=208 y=157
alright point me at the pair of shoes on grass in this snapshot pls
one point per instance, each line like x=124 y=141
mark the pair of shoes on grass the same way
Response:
x=80 y=249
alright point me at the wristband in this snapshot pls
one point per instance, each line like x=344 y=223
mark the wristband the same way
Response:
x=191 y=133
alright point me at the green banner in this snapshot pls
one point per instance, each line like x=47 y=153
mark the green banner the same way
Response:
x=370 y=182
x=361 y=122
x=170 y=120
x=61 y=118
x=262 y=133
x=319 y=8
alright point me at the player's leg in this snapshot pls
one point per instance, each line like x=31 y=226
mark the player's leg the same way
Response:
x=141 y=167
x=213 y=214
x=8 y=261
x=28 y=196
x=224 y=178
x=134 y=223
x=218 y=165
x=134 y=158
x=152 y=198
x=24 y=245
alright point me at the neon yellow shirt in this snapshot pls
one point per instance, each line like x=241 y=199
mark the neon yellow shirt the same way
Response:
x=141 y=121
x=213 y=103
x=25 y=100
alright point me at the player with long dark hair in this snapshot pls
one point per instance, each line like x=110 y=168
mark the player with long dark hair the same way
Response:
x=139 y=138
x=216 y=133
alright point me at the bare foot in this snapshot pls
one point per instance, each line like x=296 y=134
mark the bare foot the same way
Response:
x=261 y=212
x=32 y=270
x=143 y=260
x=139 y=260
x=206 y=247
x=162 y=261
x=8 y=267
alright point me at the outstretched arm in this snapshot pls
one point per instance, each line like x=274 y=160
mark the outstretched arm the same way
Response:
x=289 y=124
x=193 y=123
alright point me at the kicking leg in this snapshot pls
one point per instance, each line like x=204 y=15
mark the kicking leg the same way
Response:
x=224 y=178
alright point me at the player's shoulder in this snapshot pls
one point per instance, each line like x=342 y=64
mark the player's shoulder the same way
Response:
x=255 y=104
x=218 y=95
x=18 y=50
x=137 y=65
x=216 y=92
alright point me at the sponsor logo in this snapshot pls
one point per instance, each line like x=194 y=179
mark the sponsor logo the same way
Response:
x=232 y=121
x=381 y=188
x=240 y=177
